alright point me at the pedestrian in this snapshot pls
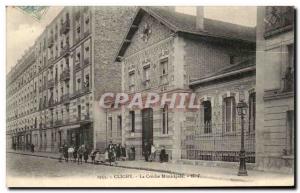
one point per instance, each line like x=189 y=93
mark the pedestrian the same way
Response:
x=146 y=151
x=61 y=153
x=85 y=155
x=97 y=157
x=93 y=155
x=118 y=152
x=75 y=154
x=80 y=153
x=153 y=150
x=70 y=152
x=123 y=152
x=106 y=158
x=111 y=153
x=66 y=152
x=32 y=148
x=162 y=155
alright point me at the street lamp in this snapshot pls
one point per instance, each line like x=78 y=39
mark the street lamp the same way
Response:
x=242 y=109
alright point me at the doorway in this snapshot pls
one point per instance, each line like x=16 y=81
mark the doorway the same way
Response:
x=147 y=128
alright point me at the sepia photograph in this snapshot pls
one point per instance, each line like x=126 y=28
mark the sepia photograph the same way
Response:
x=150 y=96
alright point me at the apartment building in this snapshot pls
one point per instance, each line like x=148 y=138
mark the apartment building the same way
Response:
x=275 y=64
x=53 y=89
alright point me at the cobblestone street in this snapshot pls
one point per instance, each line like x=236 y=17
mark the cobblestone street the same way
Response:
x=29 y=166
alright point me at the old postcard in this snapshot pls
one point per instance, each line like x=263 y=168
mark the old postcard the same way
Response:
x=149 y=96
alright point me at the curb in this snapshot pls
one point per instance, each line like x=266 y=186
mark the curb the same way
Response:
x=142 y=168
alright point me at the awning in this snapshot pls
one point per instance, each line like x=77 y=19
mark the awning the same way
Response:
x=69 y=127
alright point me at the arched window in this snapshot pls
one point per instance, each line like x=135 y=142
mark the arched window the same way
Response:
x=229 y=114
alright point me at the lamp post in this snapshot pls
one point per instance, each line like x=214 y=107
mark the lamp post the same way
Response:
x=242 y=108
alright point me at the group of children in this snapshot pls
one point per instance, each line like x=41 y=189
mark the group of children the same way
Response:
x=73 y=154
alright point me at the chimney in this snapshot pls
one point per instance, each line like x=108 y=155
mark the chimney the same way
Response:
x=200 y=18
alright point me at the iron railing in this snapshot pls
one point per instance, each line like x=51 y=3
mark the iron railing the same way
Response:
x=217 y=145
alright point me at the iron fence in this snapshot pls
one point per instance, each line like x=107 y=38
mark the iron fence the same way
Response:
x=217 y=145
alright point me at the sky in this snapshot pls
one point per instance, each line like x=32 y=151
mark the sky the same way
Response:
x=22 y=30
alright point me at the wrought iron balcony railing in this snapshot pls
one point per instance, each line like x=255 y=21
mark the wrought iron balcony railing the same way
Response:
x=65 y=75
x=77 y=66
x=50 y=83
x=50 y=41
x=65 y=50
x=86 y=61
x=65 y=27
x=65 y=98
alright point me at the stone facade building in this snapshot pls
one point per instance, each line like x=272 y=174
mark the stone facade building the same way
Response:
x=52 y=92
x=275 y=88
x=169 y=52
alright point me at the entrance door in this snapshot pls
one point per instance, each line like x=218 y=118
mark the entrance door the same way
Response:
x=147 y=126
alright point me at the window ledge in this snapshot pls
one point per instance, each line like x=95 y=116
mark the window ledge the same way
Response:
x=277 y=94
x=288 y=157
x=164 y=135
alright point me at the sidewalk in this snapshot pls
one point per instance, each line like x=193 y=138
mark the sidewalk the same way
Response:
x=254 y=177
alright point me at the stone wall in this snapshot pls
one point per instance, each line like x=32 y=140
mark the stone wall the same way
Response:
x=272 y=141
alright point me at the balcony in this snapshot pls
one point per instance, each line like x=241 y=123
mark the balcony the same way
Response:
x=65 y=50
x=77 y=66
x=44 y=87
x=66 y=121
x=163 y=79
x=51 y=123
x=50 y=61
x=50 y=41
x=65 y=75
x=50 y=84
x=51 y=103
x=85 y=89
x=86 y=33
x=77 y=15
x=65 y=98
x=278 y=19
x=86 y=61
x=58 y=122
x=65 y=27
x=76 y=93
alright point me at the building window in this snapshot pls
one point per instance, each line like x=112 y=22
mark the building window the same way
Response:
x=87 y=81
x=252 y=111
x=206 y=116
x=78 y=84
x=290 y=133
x=165 y=120
x=146 y=76
x=231 y=59
x=78 y=57
x=131 y=81
x=132 y=119
x=87 y=110
x=79 y=112
x=229 y=113
x=164 y=71
x=110 y=126
x=119 y=126
x=289 y=71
